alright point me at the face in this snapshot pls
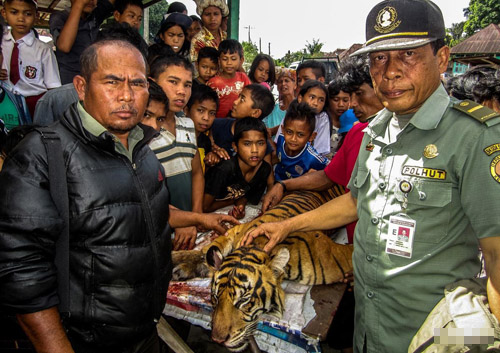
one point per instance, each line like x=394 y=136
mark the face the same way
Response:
x=117 y=92
x=206 y=69
x=193 y=30
x=364 y=102
x=304 y=75
x=315 y=98
x=262 y=71
x=212 y=18
x=340 y=103
x=203 y=114
x=286 y=86
x=20 y=16
x=176 y=82
x=296 y=134
x=242 y=106
x=404 y=79
x=173 y=37
x=155 y=115
x=229 y=64
x=132 y=15
x=251 y=148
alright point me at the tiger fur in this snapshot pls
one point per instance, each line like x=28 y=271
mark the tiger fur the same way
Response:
x=247 y=281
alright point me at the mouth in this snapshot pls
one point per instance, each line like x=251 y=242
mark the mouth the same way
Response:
x=179 y=103
x=395 y=93
x=254 y=159
x=202 y=127
x=125 y=114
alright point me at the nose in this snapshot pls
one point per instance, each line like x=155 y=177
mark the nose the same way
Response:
x=127 y=93
x=391 y=70
x=219 y=340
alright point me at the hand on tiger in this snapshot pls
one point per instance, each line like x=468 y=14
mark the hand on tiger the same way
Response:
x=238 y=211
x=276 y=232
x=272 y=197
x=184 y=238
x=218 y=222
x=349 y=280
x=221 y=152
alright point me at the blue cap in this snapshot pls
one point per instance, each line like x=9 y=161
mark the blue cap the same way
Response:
x=347 y=120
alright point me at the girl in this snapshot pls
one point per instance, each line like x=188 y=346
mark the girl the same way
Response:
x=262 y=71
x=173 y=33
x=211 y=34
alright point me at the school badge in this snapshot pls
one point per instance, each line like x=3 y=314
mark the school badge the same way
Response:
x=299 y=169
x=495 y=168
x=30 y=72
x=430 y=151
x=387 y=20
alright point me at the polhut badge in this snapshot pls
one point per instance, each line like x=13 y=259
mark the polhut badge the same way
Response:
x=405 y=186
x=387 y=20
x=430 y=151
x=370 y=146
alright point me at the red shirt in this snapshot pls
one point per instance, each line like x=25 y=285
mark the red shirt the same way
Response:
x=228 y=90
x=340 y=168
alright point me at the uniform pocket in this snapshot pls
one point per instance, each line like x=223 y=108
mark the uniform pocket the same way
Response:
x=361 y=178
x=31 y=71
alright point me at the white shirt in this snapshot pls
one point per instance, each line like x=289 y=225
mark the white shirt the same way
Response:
x=38 y=68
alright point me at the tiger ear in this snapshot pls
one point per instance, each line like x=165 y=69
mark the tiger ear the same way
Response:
x=279 y=261
x=214 y=258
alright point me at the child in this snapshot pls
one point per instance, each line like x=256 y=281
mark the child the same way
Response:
x=286 y=81
x=245 y=176
x=74 y=30
x=263 y=71
x=315 y=94
x=207 y=64
x=129 y=11
x=176 y=146
x=173 y=33
x=194 y=28
x=30 y=63
x=310 y=70
x=254 y=101
x=296 y=156
x=156 y=111
x=229 y=83
x=201 y=109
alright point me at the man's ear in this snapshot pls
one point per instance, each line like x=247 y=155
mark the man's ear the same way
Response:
x=321 y=79
x=256 y=113
x=116 y=15
x=80 y=86
x=313 y=136
x=443 y=56
x=234 y=147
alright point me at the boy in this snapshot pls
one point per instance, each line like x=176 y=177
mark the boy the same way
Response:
x=245 y=176
x=295 y=154
x=129 y=11
x=30 y=63
x=156 y=110
x=207 y=64
x=75 y=30
x=176 y=146
x=310 y=70
x=229 y=83
x=201 y=109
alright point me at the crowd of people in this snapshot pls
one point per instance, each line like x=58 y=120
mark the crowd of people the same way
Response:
x=155 y=137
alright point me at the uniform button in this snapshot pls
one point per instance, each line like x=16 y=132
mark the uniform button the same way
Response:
x=381 y=186
x=375 y=220
x=388 y=151
x=422 y=195
x=370 y=294
x=369 y=258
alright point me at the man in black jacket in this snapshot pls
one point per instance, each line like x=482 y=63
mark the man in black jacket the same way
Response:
x=119 y=217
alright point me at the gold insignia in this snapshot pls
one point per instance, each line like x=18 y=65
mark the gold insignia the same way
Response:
x=495 y=169
x=464 y=104
x=427 y=173
x=387 y=20
x=492 y=149
x=430 y=151
x=370 y=146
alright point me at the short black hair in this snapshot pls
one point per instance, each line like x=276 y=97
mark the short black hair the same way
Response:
x=210 y=53
x=248 y=124
x=196 y=19
x=230 y=46
x=262 y=99
x=30 y=2
x=176 y=6
x=121 y=5
x=201 y=93
x=157 y=94
x=318 y=68
x=163 y=62
x=158 y=49
x=272 y=70
x=123 y=31
x=335 y=86
x=479 y=84
x=355 y=71
x=437 y=44
x=301 y=112
x=309 y=84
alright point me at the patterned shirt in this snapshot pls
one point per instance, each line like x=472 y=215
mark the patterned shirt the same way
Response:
x=228 y=90
x=204 y=38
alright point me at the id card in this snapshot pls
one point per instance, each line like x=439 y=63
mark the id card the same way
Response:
x=401 y=234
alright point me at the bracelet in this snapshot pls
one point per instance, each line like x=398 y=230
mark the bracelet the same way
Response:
x=281 y=183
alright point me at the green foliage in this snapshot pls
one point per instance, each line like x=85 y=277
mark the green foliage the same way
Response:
x=455 y=34
x=156 y=13
x=311 y=50
x=314 y=48
x=250 y=51
x=290 y=58
x=480 y=14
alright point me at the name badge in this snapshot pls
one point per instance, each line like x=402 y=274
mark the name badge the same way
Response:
x=400 y=237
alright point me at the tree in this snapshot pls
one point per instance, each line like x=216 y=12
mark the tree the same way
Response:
x=314 y=48
x=289 y=58
x=250 y=51
x=480 y=14
x=455 y=34
x=156 y=13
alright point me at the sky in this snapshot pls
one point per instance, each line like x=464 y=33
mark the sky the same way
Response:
x=336 y=23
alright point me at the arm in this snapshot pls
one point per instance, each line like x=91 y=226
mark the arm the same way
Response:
x=198 y=183
x=333 y=214
x=179 y=219
x=491 y=252
x=45 y=331
x=210 y=204
x=69 y=31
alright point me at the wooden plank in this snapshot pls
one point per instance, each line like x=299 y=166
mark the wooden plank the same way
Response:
x=171 y=338
x=326 y=301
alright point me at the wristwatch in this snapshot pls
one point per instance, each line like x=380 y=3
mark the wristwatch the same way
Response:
x=281 y=183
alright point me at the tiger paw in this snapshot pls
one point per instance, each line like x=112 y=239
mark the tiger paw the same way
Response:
x=189 y=264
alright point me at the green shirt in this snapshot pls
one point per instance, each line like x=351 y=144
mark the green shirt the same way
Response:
x=454 y=200
x=96 y=129
x=9 y=113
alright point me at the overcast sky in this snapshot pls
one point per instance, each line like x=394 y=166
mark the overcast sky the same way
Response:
x=336 y=23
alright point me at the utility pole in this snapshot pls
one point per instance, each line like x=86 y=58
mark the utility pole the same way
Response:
x=249 y=27
x=269 y=48
x=260 y=45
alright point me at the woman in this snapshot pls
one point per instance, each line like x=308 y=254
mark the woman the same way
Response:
x=173 y=33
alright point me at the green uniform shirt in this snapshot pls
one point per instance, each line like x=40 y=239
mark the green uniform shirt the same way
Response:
x=96 y=129
x=454 y=200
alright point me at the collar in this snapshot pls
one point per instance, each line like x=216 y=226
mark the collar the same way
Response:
x=426 y=118
x=29 y=39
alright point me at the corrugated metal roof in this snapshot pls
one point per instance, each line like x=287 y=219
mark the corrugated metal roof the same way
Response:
x=486 y=41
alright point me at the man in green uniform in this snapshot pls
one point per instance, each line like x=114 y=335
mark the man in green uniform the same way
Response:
x=426 y=184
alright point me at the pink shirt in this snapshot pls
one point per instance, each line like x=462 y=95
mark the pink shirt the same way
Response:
x=228 y=90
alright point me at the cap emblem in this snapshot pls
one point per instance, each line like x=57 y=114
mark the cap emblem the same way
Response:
x=387 y=20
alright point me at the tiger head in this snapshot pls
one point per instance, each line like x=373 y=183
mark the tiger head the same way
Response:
x=245 y=285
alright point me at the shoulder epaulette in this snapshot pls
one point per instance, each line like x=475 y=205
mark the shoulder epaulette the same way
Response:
x=476 y=110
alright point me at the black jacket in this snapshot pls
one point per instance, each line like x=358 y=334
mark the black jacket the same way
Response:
x=120 y=262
